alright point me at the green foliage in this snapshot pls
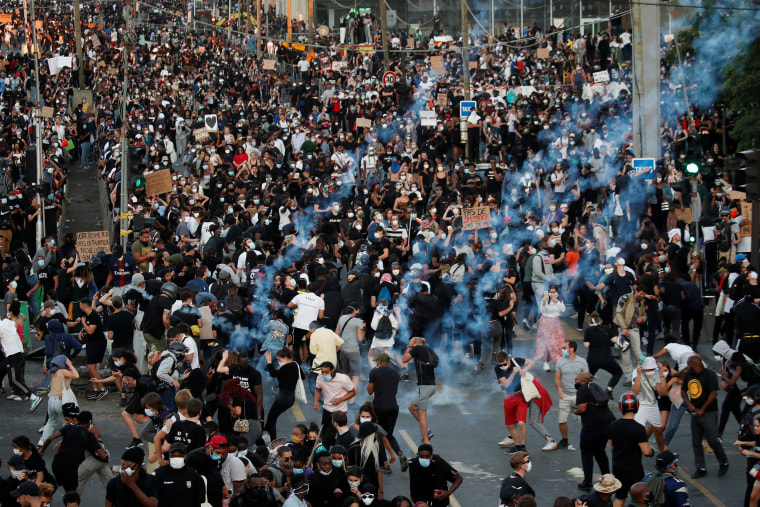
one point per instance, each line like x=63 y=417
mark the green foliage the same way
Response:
x=742 y=76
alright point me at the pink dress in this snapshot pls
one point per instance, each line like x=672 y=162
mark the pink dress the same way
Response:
x=550 y=336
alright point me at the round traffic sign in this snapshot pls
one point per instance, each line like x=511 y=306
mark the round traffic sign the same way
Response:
x=389 y=79
x=511 y=97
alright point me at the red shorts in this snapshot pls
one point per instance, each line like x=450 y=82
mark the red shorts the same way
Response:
x=515 y=409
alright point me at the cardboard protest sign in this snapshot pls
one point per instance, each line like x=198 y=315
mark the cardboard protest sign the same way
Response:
x=476 y=218
x=363 y=123
x=746 y=227
x=6 y=18
x=436 y=62
x=735 y=194
x=685 y=215
x=159 y=182
x=47 y=112
x=269 y=64
x=542 y=53
x=90 y=243
x=428 y=118
x=442 y=99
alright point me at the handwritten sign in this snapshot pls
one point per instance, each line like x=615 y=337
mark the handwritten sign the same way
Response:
x=269 y=65
x=473 y=65
x=325 y=63
x=6 y=18
x=363 y=123
x=47 y=112
x=735 y=194
x=188 y=68
x=746 y=227
x=685 y=215
x=90 y=243
x=436 y=62
x=201 y=134
x=542 y=53
x=601 y=77
x=159 y=182
x=476 y=218
x=442 y=99
x=337 y=66
x=95 y=41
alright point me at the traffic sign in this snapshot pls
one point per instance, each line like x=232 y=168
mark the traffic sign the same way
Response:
x=511 y=97
x=389 y=79
x=466 y=107
x=643 y=166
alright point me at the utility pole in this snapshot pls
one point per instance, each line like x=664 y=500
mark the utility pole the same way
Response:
x=465 y=73
x=310 y=21
x=38 y=127
x=646 y=79
x=78 y=43
x=384 y=36
x=258 y=26
x=129 y=39
x=290 y=24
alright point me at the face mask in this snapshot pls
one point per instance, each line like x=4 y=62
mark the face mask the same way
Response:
x=749 y=401
x=424 y=462
x=529 y=467
x=376 y=275
x=354 y=484
x=608 y=271
x=127 y=471
x=150 y=413
x=118 y=364
x=298 y=470
x=327 y=378
x=365 y=419
x=367 y=500
x=17 y=452
x=323 y=472
x=15 y=473
x=718 y=358
x=494 y=236
x=215 y=457
x=552 y=208
x=565 y=353
x=177 y=463
x=41 y=263
x=667 y=269
x=337 y=463
x=395 y=272
x=378 y=235
x=358 y=227
x=14 y=284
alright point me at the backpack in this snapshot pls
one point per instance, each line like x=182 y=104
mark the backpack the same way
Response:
x=723 y=236
x=432 y=358
x=384 y=328
x=599 y=396
x=736 y=290
x=154 y=370
x=384 y=294
x=656 y=483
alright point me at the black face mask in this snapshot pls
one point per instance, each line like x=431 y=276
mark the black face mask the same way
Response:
x=256 y=495
x=578 y=385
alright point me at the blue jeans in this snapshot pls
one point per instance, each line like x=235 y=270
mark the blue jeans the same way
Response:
x=673 y=421
x=85 y=147
x=167 y=396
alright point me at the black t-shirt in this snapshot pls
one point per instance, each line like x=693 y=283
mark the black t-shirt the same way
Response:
x=596 y=416
x=425 y=373
x=598 y=338
x=93 y=319
x=190 y=433
x=699 y=386
x=179 y=487
x=123 y=329
x=287 y=375
x=153 y=320
x=76 y=440
x=618 y=285
x=424 y=481
x=626 y=435
x=518 y=485
x=35 y=463
x=122 y=496
x=385 y=380
x=249 y=378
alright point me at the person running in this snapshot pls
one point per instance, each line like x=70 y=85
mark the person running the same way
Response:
x=591 y=405
x=598 y=338
x=425 y=363
x=383 y=385
x=568 y=367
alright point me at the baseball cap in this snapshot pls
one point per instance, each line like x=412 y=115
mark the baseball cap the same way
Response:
x=665 y=459
x=26 y=488
x=178 y=446
x=217 y=442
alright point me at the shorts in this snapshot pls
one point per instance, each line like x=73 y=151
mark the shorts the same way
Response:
x=151 y=341
x=422 y=398
x=515 y=409
x=351 y=363
x=648 y=415
x=134 y=406
x=627 y=479
x=96 y=350
x=564 y=408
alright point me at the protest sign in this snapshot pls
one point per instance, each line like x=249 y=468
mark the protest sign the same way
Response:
x=90 y=243
x=476 y=218
x=159 y=182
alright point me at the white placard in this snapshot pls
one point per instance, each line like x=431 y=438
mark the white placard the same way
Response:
x=601 y=77
x=428 y=118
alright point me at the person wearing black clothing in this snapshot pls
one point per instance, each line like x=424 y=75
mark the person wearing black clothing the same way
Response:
x=325 y=480
x=747 y=434
x=121 y=326
x=628 y=442
x=700 y=393
x=287 y=376
x=179 y=484
x=747 y=323
x=206 y=466
x=692 y=309
x=515 y=485
x=16 y=467
x=155 y=322
x=429 y=478
x=670 y=295
x=92 y=335
x=383 y=385
x=75 y=441
x=595 y=418
x=33 y=462
x=422 y=355
x=425 y=312
x=133 y=487
x=597 y=338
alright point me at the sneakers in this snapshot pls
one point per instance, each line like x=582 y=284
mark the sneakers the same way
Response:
x=36 y=400
x=547 y=366
x=98 y=395
x=136 y=442
x=387 y=470
x=515 y=448
x=41 y=429
x=585 y=486
x=573 y=316
x=404 y=462
x=15 y=397
x=123 y=402
x=525 y=325
x=93 y=395
x=723 y=470
x=562 y=444
x=627 y=382
x=579 y=329
x=550 y=446
x=506 y=442
x=430 y=434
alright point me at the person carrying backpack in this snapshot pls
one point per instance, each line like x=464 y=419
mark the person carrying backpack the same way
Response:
x=667 y=489
x=591 y=404
x=385 y=326
x=425 y=363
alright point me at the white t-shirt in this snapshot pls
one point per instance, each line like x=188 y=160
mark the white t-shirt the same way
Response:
x=680 y=353
x=308 y=306
x=233 y=470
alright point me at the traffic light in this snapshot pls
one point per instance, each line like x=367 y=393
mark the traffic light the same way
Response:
x=691 y=232
x=692 y=165
x=751 y=171
x=135 y=167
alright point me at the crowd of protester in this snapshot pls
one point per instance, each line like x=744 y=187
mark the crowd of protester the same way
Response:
x=322 y=232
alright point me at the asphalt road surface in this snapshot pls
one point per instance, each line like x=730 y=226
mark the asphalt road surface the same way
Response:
x=467 y=418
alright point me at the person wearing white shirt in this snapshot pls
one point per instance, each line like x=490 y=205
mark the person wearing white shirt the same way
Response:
x=309 y=307
x=14 y=353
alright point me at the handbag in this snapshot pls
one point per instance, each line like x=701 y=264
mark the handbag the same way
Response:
x=528 y=388
x=205 y=503
x=300 y=390
x=67 y=395
x=242 y=424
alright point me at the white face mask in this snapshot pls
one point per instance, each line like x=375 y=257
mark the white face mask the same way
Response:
x=608 y=271
x=395 y=272
x=368 y=501
x=127 y=471
x=365 y=419
x=17 y=452
x=177 y=463
x=529 y=466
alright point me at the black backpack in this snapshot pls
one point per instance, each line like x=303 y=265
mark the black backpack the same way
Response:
x=154 y=370
x=384 y=328
x=599 y=396
x=432 y=357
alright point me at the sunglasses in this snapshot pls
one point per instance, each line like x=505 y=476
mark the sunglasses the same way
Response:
x=368 y=497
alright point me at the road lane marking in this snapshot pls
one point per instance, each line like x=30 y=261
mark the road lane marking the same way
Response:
x=708 y=494
x=298 y=414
